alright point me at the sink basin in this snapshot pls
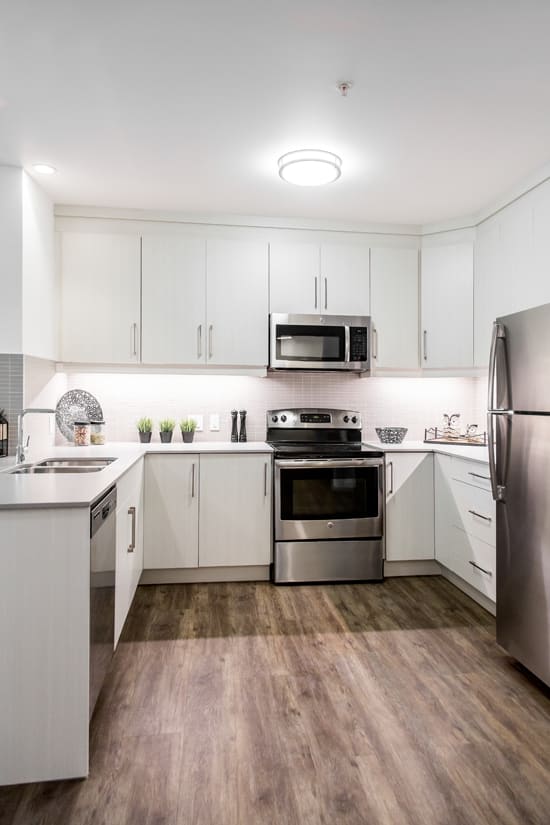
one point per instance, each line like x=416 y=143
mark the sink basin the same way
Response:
x=94 y=463
x=36 y=469
x=63 y=465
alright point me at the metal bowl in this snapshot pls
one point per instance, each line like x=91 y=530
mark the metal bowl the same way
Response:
x=391 y=435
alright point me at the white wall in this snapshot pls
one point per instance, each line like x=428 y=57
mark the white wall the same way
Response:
x=41 y=291
x=11 y=332
x=42 y=387
x=415 y=403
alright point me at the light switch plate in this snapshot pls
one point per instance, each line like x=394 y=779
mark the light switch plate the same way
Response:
x=199 y=419
x=214 y=423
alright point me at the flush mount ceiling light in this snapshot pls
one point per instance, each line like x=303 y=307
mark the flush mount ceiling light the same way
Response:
x=44 y=168
x=310 y=167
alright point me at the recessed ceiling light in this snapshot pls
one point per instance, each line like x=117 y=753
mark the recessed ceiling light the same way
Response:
x=44 y=168
x=310 y=167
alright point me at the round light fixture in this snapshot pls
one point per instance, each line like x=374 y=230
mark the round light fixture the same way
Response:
x=44 y=168
x=310 y=167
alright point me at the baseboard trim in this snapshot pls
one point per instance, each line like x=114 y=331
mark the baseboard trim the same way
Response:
x=427 y=567
x=470 y=591
x=205 y=574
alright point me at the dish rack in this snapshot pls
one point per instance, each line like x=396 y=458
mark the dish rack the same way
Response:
x=435 y=435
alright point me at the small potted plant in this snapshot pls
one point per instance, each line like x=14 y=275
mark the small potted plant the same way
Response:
x=145 y=429
x=188 y=427
x=166 y=427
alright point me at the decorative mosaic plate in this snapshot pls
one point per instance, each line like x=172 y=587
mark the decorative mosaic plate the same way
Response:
x=76 y=405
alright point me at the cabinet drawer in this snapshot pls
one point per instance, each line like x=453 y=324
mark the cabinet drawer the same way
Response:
x=471 y=472
x=471 y=559
x=480 y=566
x=475 y=511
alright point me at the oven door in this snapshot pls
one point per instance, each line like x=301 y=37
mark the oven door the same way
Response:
x=328 y=499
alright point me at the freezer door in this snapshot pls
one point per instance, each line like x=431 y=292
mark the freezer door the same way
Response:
x=523 y=543
x=527 y=353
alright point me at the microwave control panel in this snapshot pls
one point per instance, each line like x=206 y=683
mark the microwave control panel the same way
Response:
x=358 y=337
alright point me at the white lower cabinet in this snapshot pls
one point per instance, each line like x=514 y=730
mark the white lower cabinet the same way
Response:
x=465 y=530
x=409 y=506
x=129 y=542
x=207 y=511
x=171 y=511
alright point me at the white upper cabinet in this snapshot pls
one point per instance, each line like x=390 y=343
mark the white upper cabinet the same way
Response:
x=173 y=299
x=294 y=274
x=237 y=303
x=447 y=306
x=100 y=298
x=344 y=281
x=308 y=279
x=394 y=307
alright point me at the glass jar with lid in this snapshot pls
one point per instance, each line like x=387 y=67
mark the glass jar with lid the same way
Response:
x=97 y=433
x=81 y=433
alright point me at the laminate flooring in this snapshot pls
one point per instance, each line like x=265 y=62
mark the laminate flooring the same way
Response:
x=245 y=704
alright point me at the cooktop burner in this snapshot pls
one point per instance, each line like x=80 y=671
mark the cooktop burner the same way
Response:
x=312 y=432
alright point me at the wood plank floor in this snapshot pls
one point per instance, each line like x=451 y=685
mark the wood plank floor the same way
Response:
x=245 y=704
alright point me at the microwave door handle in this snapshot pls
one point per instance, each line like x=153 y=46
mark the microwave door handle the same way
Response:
x=347 y=337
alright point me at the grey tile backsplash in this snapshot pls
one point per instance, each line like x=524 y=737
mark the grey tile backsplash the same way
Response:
x=11 y=393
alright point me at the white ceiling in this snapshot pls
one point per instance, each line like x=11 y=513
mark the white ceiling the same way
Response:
x=187 y=105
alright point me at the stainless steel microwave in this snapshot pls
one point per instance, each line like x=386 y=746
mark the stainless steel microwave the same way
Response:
x=319 y=342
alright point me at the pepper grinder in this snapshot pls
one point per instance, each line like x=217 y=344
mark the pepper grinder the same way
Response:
x=234 y=431
x=242 y=431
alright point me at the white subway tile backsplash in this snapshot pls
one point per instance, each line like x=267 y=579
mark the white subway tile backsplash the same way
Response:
x=415 y=403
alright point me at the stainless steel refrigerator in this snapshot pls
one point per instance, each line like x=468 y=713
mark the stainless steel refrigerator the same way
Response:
x=519 y=454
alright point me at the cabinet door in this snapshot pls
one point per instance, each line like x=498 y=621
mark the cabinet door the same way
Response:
x=409 y=506
x=447 y=306
x=171 y=511
x=344 y=279
x=173 y=300
x=235 y=511
x=100 y=298
x=237 y=303
x=394 y=310
x=294 y=278
x=129 y=542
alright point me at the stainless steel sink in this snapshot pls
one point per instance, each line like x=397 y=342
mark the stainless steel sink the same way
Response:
x=63 y=465
x=95 y=463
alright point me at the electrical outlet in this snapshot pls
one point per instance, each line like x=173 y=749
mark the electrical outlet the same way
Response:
x=199 y=419
x=214 y=422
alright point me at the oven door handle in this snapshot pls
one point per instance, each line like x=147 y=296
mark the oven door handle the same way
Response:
x=328 y=463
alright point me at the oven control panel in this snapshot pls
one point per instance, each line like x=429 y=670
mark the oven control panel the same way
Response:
x=313 y=418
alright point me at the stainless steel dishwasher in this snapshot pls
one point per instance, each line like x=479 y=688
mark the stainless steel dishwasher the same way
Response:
x=102 y=590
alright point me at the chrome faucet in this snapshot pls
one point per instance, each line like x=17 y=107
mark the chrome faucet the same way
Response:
x=21 y=448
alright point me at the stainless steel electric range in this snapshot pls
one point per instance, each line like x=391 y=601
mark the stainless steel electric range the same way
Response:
x=329 y=497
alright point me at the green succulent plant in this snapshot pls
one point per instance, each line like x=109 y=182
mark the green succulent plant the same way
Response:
x=167 y=425
x=188 y=425
x=145 y=425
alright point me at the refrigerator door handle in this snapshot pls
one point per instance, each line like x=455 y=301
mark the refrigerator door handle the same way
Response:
x=499 y=333
x=497 y=489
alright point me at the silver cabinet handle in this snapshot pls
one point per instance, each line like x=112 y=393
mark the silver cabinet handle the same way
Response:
x=199 y=341
x=133 y=345
x=326 y=293
x=315 y=284
x=193 y=480
x=477 y=475
x=375 y=342
x=390 y=491
x=477 y=567
x=265 y=479
x=425 y=344
x=210 y=328
x=132 y=512
x=478 y=515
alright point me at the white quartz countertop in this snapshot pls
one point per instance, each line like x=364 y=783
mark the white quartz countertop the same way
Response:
x=480 y=454
x=81 y=489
